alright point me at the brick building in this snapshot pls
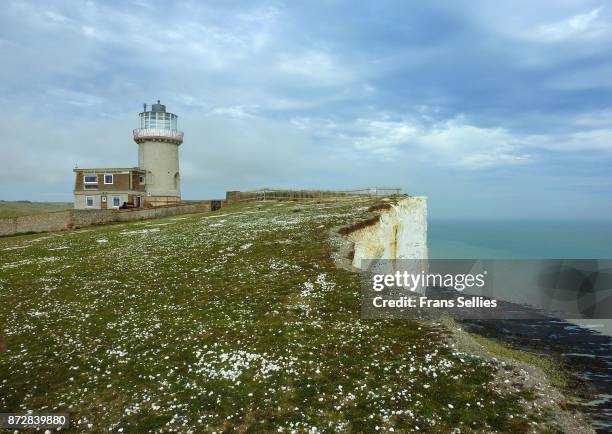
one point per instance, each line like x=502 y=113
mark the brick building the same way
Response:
x=156 y=180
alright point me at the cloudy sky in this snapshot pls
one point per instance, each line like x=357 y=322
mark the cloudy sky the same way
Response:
x=491 y=109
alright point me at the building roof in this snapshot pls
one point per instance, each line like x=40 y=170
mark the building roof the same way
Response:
x=109 y=169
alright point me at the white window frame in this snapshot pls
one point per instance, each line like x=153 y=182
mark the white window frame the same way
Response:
x=93 y=201
x=85 y=181
x=113 y=201
x=141 y=179
x=112 y=178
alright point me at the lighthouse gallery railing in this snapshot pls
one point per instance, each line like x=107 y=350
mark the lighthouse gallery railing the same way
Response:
x=141 y=133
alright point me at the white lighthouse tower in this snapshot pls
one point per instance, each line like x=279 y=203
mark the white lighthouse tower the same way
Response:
x=158 y=141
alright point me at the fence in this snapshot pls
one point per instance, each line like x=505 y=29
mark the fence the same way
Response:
x=275 y=194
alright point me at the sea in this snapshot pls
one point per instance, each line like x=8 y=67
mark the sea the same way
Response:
x=519 y=239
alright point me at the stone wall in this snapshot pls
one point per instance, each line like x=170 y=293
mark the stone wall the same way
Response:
x=77 y=218
x=128 y=215
x=52 y=221
x=8 y=226
x=87 y=217
x=232 y=196
x=45 y=222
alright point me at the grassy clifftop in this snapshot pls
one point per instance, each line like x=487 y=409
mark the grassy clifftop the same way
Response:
x=230 y=321
x=17 y=208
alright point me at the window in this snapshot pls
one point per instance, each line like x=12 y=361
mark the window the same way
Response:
x=108 y=178
x=141 y=179
x=91 y=186
x=89 y=201
x=116 y=201
x=158 y=120
x=91 y=179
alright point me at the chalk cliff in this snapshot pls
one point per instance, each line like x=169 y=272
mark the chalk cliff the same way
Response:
x=399 y=233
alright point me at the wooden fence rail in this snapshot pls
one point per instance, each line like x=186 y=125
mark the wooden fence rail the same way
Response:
x=274 y=194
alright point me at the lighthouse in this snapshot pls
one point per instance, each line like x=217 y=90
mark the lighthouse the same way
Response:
x=158 y=140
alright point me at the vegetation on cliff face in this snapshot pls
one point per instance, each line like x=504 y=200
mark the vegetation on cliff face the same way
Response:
x=230 y=321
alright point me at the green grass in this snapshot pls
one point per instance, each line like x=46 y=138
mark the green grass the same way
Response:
x=553 y=371
x=17 y=208
x=230 y=321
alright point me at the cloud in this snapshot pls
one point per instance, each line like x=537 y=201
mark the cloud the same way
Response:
x=75 y=98
x=315 y=67
x=451 y=143
x=584 y=25
x=599 y=140
x=239 y=111
x=467 y=146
